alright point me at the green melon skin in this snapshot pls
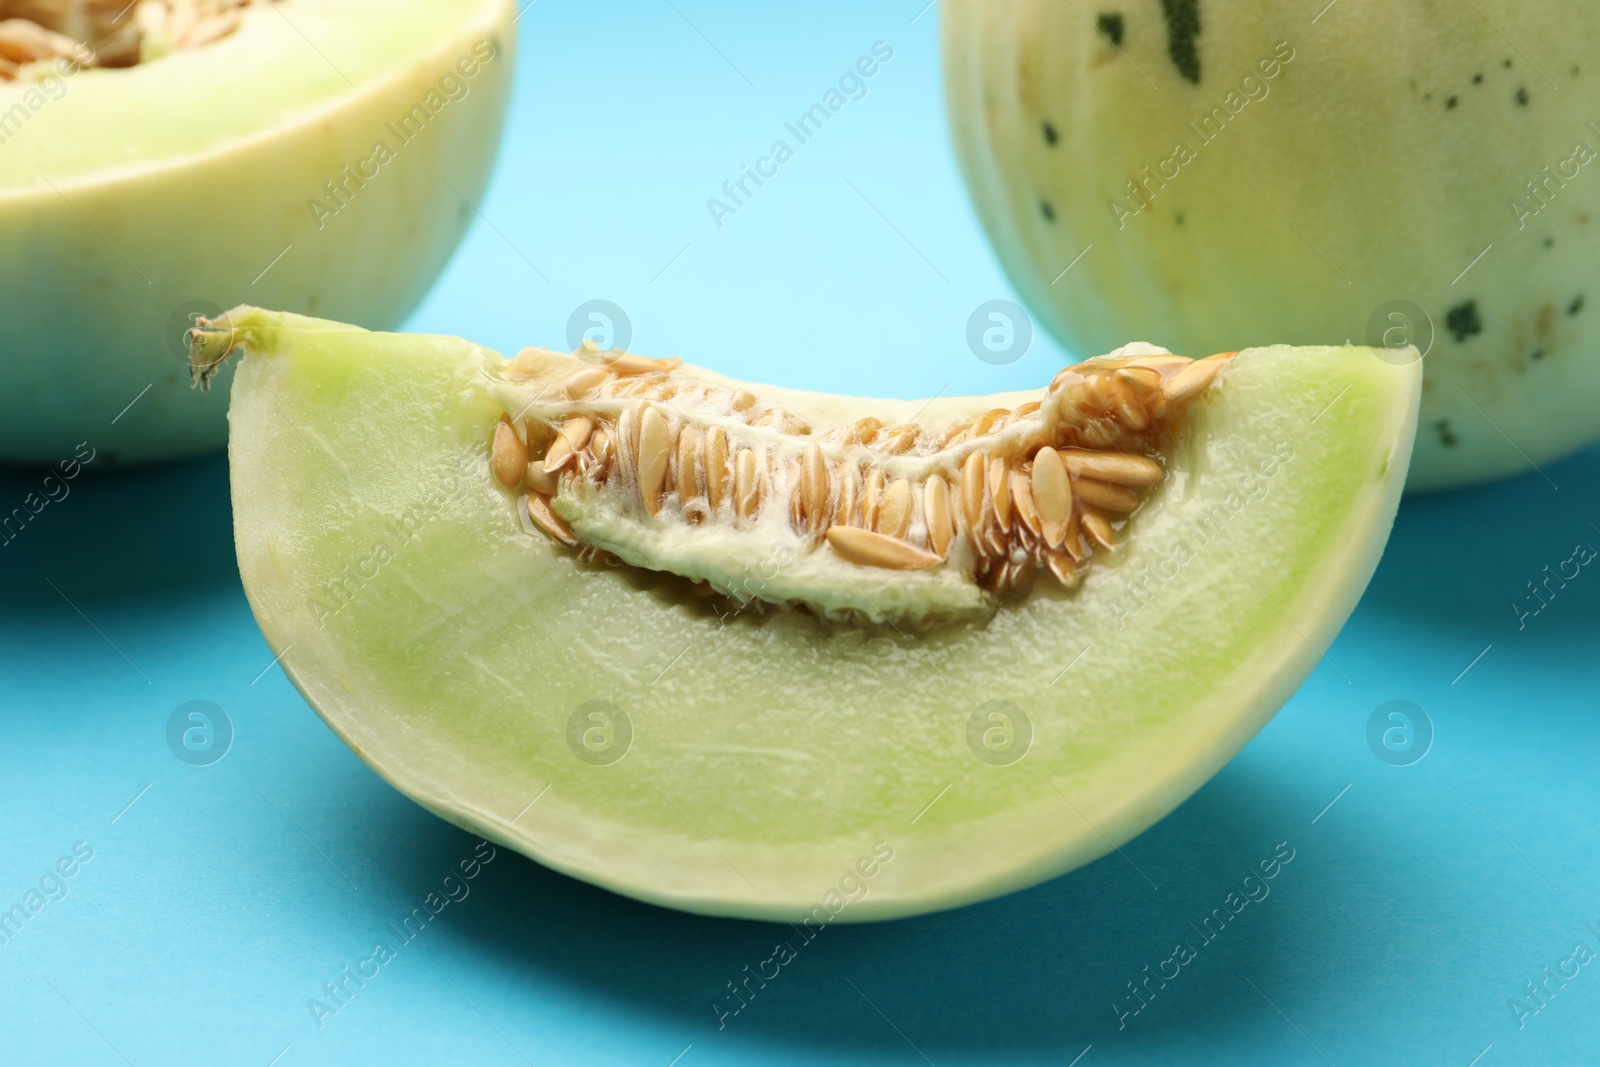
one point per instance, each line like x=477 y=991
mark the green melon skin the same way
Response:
x=130 y=196
x=1392 y=145
x=776 y=761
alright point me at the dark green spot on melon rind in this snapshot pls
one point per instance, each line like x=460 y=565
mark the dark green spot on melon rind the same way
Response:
x=1110 y=26
x=1047 y=210
x=1463 y=320
x=1446 y=436
x=1183 y=26
x=1576 y=305
x=1050 y=136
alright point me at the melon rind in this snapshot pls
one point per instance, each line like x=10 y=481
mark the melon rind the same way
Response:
x=130 y=196
x=448 y=646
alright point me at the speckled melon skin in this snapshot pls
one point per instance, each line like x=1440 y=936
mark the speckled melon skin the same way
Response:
x=1377 y=164
x=131 y=197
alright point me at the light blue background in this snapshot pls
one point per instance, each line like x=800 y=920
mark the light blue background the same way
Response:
x=225 y=896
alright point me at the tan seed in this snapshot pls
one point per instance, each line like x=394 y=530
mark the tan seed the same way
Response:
x=994 y=539
x=746 y=484
x=867 y=429
x=1066 y=572
x=872 y=500
x=972 y=497
x=654 y=456
x=541 y=480
x=625 y=387
x=936 y=515
x=898 y=439
x=894 y=512
x=548 y=521
x=559 y=454
x=988 y=421
x=690 y=481
x=1098 y=527
x=585 y=382
x=1131 y=407
x=793 y=426
x=1192 y=380
x=844 y=436
x=1105 y=495
x=814 y=487
x=1022 y=502
x=878 y=550
x=719 y=478
x=577 y=431
x=1099 y=434
x=1073 y=541
x=743 y=400
x=508 y=457
x=1052 y=495
x=1144 y=382
x=1025 y=410
x=952 y=435
x=845 y=510
x=1000 y=493
x=1064 y=379
x=1094 y=394
x=600 y=446
x=1118 y=468
x=626 y=363
x=627 y=434
x=1159 y=363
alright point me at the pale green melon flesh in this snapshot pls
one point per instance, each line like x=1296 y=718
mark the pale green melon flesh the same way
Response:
x=129 y=195
x=448 y=645
x=1318 y=173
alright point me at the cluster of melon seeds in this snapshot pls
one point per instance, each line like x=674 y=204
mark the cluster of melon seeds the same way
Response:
x=612 y=454
x=108 y=33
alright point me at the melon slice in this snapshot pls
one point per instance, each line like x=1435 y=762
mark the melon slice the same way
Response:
x=781 y=686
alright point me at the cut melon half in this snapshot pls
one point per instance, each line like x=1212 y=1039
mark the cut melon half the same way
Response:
x=577 y=663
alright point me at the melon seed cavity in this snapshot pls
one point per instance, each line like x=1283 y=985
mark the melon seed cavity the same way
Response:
x=108 y=33
x=1015 y=494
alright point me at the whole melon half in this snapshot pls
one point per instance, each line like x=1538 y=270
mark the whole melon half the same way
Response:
x=159 y=161
x=1211 y=171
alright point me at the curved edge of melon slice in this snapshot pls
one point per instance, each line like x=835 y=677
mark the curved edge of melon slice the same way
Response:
x=451 y=660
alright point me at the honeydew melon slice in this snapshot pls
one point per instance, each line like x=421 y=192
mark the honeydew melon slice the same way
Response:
x=777 y=764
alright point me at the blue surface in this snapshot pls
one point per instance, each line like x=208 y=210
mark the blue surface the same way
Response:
x=220 y=899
